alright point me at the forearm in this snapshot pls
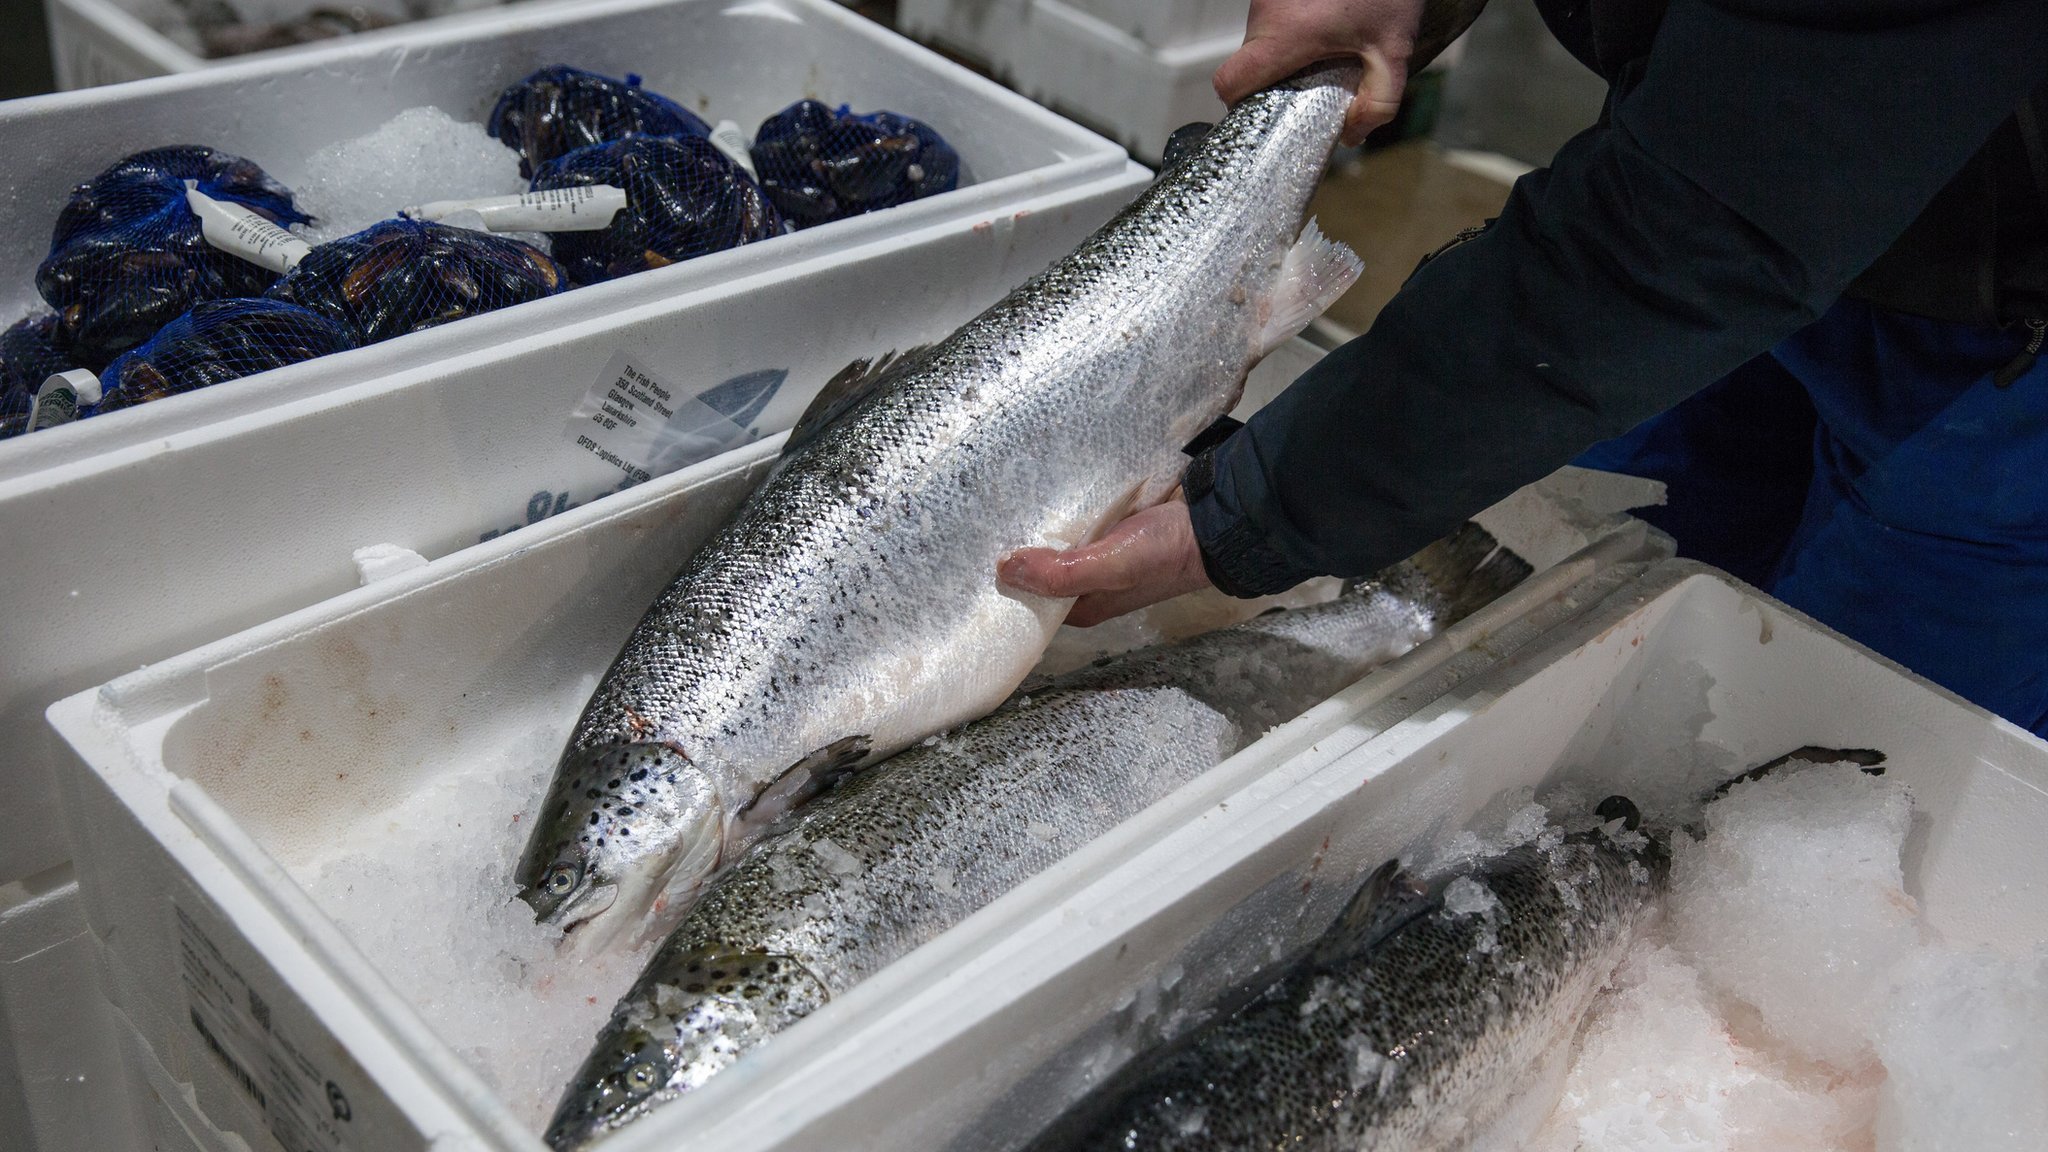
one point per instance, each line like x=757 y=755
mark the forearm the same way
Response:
x=1754 y=171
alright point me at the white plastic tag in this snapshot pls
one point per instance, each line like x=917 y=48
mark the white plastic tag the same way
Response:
x=731 y=139
x=646 y=427
x=61 y=396
x=585 y=209
x=241 y=231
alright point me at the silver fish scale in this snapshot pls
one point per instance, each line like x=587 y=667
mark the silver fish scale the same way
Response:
x=854 y=595
x=897 y=855
x=1418 y=1042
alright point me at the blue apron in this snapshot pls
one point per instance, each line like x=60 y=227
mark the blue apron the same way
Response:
x=1870 y=473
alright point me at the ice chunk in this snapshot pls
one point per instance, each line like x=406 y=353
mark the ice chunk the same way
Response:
x=1965 y=1046
x=422 y=154
x=1795 y=903
x=1468 y=897
x=383 y=561
x=1659 y=1071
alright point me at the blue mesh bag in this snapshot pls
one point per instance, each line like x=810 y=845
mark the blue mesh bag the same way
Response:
x=31 y=351
x=683 y=199
x=818 y=164
x=402 y=276
x=127 y=257
x=215 y=342
x=559 y=109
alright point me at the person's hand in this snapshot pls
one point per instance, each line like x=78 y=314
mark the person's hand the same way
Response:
x=1284 y=36
x=1144 y=558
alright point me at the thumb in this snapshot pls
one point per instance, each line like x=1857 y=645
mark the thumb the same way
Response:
x=1263 y=61
x=1379 y=96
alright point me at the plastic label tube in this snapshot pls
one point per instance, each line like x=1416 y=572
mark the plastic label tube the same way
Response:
x=731 y=139
x=243 y=232
x=61 y=396
x=585 y=209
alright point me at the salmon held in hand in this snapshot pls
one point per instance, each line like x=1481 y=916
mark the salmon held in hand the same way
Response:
x=851 y=607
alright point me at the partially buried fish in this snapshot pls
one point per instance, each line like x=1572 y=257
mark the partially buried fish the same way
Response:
x=851 y=608
x=895 y=856
x=1424 y=1019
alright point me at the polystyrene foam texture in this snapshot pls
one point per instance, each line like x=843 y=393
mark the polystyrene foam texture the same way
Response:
x=322 y=750
x=57 y=1045
x=1268 y=864
x=1081 y=64
x=1170 y=23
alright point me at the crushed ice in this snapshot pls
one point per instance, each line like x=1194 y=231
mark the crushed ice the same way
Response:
x=422 y=154
x=425 y=891
x=1792 y=997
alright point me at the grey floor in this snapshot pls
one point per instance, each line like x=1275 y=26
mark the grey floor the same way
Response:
x=1517 y=91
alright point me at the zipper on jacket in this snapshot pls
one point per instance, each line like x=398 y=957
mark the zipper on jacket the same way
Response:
x=2023 y=363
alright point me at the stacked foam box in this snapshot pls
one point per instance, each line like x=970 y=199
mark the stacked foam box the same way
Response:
x=130 y=537
x=1134 y=70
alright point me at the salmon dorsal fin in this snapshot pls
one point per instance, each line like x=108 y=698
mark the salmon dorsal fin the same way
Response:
x=1383 y=905
x=1183 y=143
x=846 y=390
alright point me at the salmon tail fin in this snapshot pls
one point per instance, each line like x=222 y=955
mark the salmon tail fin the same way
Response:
x=1468 y=570
x=1315 y=272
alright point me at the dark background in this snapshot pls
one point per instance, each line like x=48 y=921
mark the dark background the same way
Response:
x=24 y=49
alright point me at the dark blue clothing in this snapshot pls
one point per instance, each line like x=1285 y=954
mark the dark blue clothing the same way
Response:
x=1912 y=516
x=1758 y=159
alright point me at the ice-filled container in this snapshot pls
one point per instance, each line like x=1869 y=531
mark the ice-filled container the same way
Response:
x=247 y=501
x=1081 y=64
x=112 y=41
x=200 y=780
x=62 y=1086
x=741 y=60
x=976 y=1040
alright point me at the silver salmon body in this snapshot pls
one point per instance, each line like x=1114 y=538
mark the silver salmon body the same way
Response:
x=851 y=608
x=897 y=855
x=1424 y=1021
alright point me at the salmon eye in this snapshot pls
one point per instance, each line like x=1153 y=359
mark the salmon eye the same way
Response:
x=561 y=879
x=641 y=1077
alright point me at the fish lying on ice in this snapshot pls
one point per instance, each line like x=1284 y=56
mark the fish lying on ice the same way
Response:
x=1425 y=1020
x=851 y=607
x=897 y=855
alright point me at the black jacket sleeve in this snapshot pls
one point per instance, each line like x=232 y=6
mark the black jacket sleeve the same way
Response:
x=1761 y=156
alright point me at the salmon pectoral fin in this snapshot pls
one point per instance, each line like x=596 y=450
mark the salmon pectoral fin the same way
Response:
x=807 y=779
x=847 y=390
x=1316 y=271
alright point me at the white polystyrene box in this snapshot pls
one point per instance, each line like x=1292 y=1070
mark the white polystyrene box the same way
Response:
x=1154 y=928
x=742 y=60
x=215 y=522
x=198 y=778
x=1171 y=23
x=1079 y=63
x=96 y=42
x=61 y=1083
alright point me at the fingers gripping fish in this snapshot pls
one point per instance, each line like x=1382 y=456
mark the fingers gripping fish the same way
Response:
x=851 y=607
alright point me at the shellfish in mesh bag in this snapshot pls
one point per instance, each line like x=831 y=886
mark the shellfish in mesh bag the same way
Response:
x=215 y=342
x=559 y=109
x=684 y=198
x=31 y=351
x=127 y=256
x=402 y=276
x=819 y=163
